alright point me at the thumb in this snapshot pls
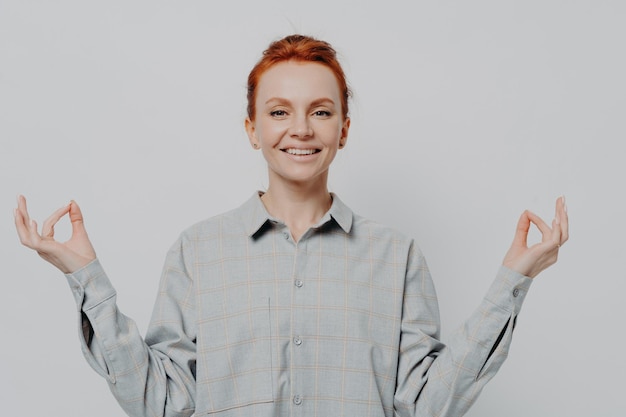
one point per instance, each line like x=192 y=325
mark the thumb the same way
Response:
x=521 y=230
x=76 y=218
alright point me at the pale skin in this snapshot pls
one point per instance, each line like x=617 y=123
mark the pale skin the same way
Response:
x=298 y=109
x=299 y=127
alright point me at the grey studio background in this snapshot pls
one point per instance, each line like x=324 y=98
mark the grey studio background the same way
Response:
x=464 y=115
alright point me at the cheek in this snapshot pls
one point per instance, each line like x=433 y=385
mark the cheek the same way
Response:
x=332 y=134
x=270 y=132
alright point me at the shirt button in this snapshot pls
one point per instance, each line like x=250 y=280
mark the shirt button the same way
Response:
x=515 y=292
x=299 y=283
x=286 y=235
x=297 y=400
x=297 y=340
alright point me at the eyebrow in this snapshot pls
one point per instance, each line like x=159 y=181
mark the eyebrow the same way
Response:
x=316 y=102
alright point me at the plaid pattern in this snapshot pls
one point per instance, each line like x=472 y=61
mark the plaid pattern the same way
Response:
x=248 y=322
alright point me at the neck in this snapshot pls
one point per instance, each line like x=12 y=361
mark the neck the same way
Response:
x=300 y=206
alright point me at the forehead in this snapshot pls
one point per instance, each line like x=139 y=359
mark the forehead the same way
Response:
x=294 y=79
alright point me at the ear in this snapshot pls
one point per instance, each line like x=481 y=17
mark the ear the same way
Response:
x=344 y=133
x=251 y=131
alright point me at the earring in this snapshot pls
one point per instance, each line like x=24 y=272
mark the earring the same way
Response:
x=256 y=145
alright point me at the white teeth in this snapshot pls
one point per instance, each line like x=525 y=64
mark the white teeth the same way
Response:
x=292 y=151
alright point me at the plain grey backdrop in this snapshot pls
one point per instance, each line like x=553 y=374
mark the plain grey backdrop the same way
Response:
x=464 y=115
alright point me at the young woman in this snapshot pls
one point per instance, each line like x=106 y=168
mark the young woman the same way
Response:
x=292 y=304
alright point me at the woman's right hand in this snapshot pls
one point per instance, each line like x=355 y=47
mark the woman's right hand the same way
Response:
x=68 y=256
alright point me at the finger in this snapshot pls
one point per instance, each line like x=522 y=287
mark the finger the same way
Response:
x=48 y=226
x=541 y=225
x=20 y=226
x=555 y=236
x=76 y=218
x=521 y=231
x=21 y=207
x=26 y=227
x=556 y=223
x=33 y=234
x=562 y=207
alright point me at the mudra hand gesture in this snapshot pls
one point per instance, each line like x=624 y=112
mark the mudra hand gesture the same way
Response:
x=531 y=260
x=68 y=256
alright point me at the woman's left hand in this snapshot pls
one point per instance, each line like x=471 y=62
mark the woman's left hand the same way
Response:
x=531 y=260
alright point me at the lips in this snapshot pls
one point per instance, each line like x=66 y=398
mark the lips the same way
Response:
x=294 y=151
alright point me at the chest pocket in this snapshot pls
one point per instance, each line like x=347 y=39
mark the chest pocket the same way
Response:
x=234 y=357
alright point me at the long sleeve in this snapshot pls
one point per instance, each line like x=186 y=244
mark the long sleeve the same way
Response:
x=444 y=380
x=345 y=322
x=151 y=377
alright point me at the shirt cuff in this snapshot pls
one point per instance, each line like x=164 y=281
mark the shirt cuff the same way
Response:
x=509 y=290
x=90 y=285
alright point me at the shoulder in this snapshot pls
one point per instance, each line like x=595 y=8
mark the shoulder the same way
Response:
x=359 y=227
x=385 y=243
x=215 y=226
x=239 y=221
x=364 y=228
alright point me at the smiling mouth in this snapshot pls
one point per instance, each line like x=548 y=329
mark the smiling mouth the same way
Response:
x=293 y=151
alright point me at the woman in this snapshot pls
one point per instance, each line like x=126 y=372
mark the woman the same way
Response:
x=292 y=304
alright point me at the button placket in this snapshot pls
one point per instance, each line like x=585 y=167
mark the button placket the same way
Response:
x=299 y=355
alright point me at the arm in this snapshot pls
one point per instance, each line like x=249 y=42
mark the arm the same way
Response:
x=155 y=377
x=439 y=380
x=436 y=379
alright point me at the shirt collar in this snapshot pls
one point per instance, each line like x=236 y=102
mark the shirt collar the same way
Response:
x=254 y=215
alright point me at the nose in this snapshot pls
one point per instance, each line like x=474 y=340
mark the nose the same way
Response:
x=301 y=127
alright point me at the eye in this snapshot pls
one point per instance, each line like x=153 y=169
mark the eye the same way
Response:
x=322 y=113
x=278 y=113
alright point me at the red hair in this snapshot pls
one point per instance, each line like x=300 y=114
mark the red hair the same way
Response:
x=298 y=48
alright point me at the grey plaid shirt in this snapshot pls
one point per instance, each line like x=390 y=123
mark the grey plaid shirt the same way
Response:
x=247 y=322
